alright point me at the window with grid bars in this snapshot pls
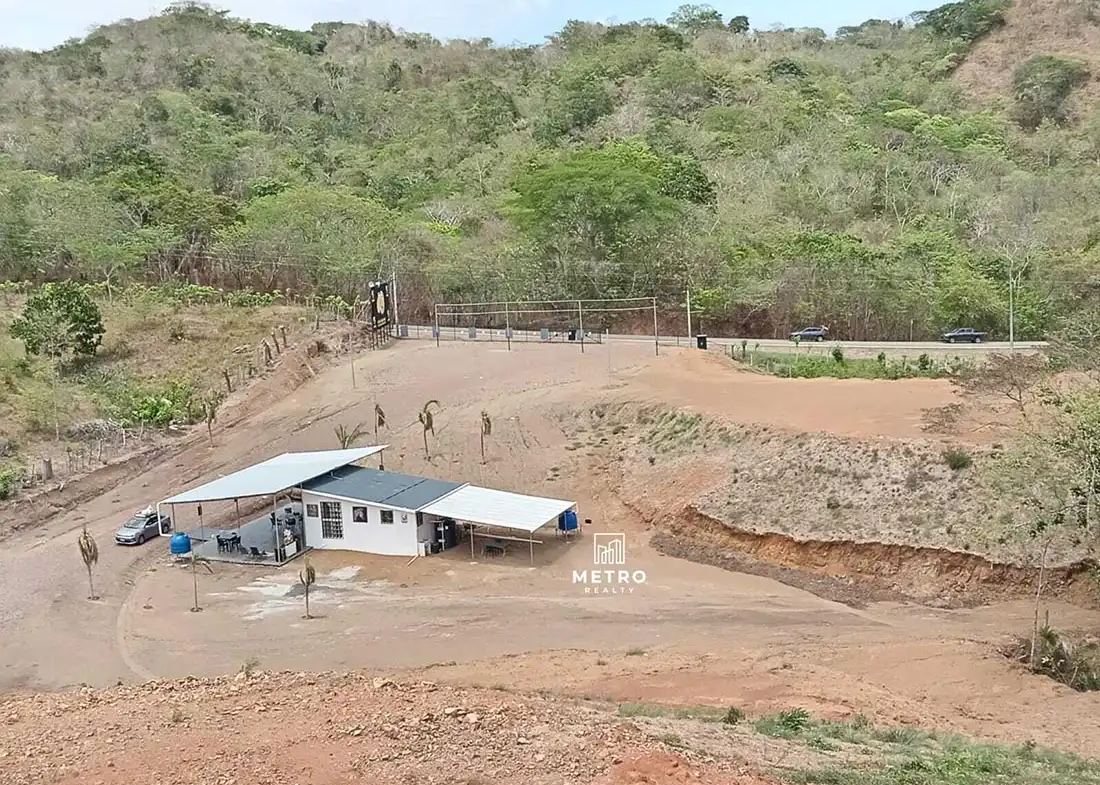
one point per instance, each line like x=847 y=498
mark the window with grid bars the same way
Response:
x=332 y=520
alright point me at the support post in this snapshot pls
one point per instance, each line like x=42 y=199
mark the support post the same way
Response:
x=172 y=507
x=435 y=313
x=689 y=314
x=580 y=323
x=656 y=338
x=472 y=556
x=353 y=374
x=507 y=327
x=531 y=545
x=396 y=323
x=275 y=528
x=1011 y=312
x=237 y=504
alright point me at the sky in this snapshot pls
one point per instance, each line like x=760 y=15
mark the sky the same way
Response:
x=43 y=24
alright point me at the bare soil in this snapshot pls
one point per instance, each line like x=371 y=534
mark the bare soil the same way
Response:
x=692 y=634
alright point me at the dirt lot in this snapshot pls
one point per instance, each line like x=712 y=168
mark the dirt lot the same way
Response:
x=690 y=635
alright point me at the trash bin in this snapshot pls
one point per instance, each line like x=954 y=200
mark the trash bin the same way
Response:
x=701 y=341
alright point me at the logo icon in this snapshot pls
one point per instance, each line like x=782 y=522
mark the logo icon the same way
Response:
x=609 y=549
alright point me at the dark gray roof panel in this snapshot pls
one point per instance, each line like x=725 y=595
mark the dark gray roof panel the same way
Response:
x=384 y=488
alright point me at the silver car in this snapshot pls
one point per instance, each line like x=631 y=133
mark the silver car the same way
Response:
x=143 y=526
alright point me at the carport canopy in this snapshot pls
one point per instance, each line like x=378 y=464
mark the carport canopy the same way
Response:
x=501 y=509
x=274 y=475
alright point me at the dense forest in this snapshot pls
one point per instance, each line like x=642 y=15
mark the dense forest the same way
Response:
x=785 y=176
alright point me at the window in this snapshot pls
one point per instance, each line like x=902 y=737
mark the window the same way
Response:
x=332 y=520
x=311 y=510
x=359 y=514
x=387 y=516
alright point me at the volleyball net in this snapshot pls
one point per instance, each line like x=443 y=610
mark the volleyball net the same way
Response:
x=546 y=321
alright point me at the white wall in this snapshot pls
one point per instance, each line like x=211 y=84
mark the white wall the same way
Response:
x=389 y=539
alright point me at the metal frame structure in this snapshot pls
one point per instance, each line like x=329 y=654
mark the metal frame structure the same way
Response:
x=510 y=309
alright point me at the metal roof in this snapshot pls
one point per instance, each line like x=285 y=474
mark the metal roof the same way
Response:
x=392 y=489
x=273 y=475
x=499 y=508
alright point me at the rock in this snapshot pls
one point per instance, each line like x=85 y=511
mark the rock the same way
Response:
x=473 y=718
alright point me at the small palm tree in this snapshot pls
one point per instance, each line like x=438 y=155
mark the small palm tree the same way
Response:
x=308 y=577
x=89 y=553
x=348 y=438
x=196 y=561
x=379 y=421
x=210 y=406
x=428 y=421
x=486 y=430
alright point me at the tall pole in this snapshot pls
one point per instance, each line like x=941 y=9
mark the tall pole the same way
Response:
x=393 y=297
x=1011 y=311
x=435 y=313
x=507 y=327
x=656 y=339
x=580 y=324
x=689 y=314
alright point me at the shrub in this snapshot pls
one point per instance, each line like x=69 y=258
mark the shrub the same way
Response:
x=733 y=716
x=1075 y=665
x=924 y=362
x=59 y=319
x=957 y=460
x=1042 y=84
x=838 y=355
x=965 y=21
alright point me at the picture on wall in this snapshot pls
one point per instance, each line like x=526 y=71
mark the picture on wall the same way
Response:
x=359 y=514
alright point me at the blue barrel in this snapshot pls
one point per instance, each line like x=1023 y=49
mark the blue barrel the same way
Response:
x=179 y=544
x=567 y=521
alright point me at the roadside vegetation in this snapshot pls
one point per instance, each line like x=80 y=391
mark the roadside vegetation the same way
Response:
x=834 y=365
x=787 y=175
x=858 y=752
x=86 y=370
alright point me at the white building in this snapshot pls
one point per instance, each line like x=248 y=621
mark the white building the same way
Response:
x=336 y=504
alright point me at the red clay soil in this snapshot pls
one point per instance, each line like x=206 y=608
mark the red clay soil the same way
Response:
x=329 y=729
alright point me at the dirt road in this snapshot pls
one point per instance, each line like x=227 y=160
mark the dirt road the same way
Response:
x=690 y=633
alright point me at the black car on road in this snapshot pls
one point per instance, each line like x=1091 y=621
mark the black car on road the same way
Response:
x=810 y=334
x=963 y=335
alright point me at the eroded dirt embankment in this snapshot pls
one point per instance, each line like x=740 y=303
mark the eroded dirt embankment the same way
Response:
x=857 y=573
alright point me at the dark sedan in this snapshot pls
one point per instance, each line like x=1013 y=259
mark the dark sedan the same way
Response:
x=810 y=334
x=963 y=335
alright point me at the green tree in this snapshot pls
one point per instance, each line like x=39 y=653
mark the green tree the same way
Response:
x=59 y=320
x=590 y=202
x=738 y=25
x=694 y=19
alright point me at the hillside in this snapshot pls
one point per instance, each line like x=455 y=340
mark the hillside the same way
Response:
x=1067 y=29
x=786 y=176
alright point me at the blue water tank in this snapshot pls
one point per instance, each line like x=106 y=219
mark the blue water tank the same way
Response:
x=567 y=521
x=179 y=544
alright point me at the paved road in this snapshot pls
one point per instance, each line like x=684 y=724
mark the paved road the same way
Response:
x=869 y=348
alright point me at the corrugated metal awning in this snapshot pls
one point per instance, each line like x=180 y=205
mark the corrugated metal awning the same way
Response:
x=506 y=510
x=273 y=475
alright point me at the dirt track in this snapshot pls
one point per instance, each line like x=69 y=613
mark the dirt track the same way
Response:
x=708 y=635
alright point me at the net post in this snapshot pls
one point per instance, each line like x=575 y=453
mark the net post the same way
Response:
x=435 y=312
x=656 y=338
x=580 y=323
x=507 y=328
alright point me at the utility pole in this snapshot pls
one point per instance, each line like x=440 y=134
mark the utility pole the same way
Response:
x=689 y=314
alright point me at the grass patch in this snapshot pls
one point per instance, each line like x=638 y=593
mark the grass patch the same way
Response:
x=912 y=756
x=836 y=366
x=671 y=430
x=957 y=460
